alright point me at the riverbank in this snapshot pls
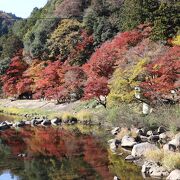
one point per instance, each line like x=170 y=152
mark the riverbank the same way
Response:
x=141 y=135
x=157 y=152
x=123 y=115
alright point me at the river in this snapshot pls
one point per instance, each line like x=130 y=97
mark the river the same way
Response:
x=62 y=153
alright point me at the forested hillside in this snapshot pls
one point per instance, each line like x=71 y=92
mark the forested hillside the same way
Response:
x=73 y=49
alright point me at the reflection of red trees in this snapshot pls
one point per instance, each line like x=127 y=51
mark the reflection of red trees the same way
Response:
x=96 y=156
x=52 y=142
x=13 y=139
x=40 y=141
x=59 y=143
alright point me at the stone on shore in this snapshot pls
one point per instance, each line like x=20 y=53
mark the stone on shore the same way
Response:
x=140 y=149
x=174 y=175
x=154 y=170
x=128 y=141
x=115 y=131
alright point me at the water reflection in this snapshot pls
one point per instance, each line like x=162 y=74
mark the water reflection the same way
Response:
x=41 y=153
x=6 y=175
x=59 y=154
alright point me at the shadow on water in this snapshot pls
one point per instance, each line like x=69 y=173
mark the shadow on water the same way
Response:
x=60 y=154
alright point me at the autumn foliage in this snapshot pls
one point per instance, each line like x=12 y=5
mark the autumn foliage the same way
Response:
x=163 y=75
x=12 y=79
x=130 y=59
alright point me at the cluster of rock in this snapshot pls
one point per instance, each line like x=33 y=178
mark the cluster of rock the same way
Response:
x=36 y=122
x=146 y=141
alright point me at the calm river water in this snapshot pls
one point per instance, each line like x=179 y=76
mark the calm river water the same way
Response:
x=68 y=153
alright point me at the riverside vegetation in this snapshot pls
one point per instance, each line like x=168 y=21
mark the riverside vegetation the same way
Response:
x=113 y=63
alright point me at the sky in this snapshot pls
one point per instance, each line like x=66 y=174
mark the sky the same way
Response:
x=21 y=8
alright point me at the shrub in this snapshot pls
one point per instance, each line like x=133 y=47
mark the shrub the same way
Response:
x=155 y=155
x=171 y=160
x=84 y=116
x=66 y=116
x=176 y=40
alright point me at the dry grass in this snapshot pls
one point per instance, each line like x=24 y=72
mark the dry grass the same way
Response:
x=170 y=160
x=84 y=116
x=156 y=155
x=125 y=131
x=66 y=116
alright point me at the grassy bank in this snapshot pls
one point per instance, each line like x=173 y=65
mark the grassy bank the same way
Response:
x=124 y=115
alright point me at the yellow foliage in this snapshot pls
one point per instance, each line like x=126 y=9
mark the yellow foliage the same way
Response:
x=67 y=116
x=84 y=116
x=171 y=160
x=176 y=41
x=156 y=155
x=123 y=82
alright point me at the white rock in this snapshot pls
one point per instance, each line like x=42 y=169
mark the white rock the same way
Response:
x=112 y=147
x=140 y=149
x=149 y=133
x=115 y=131
x=174 y=175
x=130 y=158
x=163 y=136
x=175 y=142
x=159 y=171
x=128 y=141
x=153 y=170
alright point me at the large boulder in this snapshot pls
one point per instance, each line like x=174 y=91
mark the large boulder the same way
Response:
x=128 y=141
x=140 y=149
x=174 y=175
x=154 y=170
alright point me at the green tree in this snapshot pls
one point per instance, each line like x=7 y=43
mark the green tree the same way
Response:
x=64 y=38
x=167 y=20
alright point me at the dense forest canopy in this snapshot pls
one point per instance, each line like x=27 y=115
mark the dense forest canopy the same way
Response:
x=92 y=49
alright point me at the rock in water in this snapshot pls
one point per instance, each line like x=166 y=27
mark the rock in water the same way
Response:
x=46 y=122
x=56 y=121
